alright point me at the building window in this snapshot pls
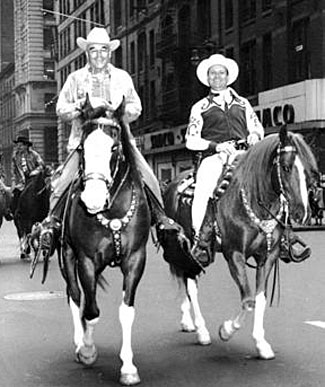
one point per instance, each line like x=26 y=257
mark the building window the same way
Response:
x=247 y=10
x=117 y=13
x=266 y=5
x=49 y=102
x=152 y=48
x=248 y=60
x=48 y=40
x=51 y=144
x=48 y=5
x=229 y=14
x=204 y=19
x=267 y=61
x=152 y=98
x=132 y=58
x=118 y=57
x=229 y=52
x=142 y=52
x=49 y=71
x=298 y=67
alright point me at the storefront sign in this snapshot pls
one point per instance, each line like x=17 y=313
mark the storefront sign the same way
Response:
x=277 y=115
x=164 y=138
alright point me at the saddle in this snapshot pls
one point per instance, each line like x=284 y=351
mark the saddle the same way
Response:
x=210 y=236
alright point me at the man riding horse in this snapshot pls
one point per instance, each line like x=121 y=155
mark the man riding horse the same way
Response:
x=217 y=123
x=26 y=162
x=107 y=86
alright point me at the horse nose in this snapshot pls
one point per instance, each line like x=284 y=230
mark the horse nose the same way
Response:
x=300 y=215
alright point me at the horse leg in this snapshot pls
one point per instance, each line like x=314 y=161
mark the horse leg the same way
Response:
x=85 y=349
x=87 y=352
x=132 y=271
x=264 y=349
x=237 y=269
x=203 y=335
x=187 y=324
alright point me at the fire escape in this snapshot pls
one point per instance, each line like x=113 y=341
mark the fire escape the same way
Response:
x=174 y=54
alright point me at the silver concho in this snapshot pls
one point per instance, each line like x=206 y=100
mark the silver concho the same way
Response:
x=115 y=224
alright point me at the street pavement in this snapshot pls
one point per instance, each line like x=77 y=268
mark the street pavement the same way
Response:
x=36 y=327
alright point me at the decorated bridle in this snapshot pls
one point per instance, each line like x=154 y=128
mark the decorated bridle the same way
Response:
x=267 y=226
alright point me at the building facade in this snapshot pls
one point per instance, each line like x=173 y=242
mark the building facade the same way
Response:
x=7 y=114
x=6 y=33
x=35 y=84
x=278 y=44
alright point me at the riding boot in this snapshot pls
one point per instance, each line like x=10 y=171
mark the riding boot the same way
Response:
x=293 y=248
x=203 y=248
x=172 y=238
x=45 y=235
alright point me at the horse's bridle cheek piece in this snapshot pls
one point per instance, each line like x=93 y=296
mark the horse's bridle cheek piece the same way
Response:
x=267 y=226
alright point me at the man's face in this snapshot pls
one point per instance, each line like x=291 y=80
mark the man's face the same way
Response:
x=98 y=55
x=21 y=146
x=218 y=77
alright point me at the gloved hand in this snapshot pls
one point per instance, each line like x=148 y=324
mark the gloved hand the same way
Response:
x=227 y=147
x=252 y=139
x=34 y=172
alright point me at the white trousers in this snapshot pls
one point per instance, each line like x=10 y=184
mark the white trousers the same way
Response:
x=207 y=177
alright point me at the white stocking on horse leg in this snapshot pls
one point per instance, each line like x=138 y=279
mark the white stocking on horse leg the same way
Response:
x=230 y=327
x=86 y=352
x=203 y=334
x=78 y=328
x=187 y=324
x=129 y=373
x=264 y=349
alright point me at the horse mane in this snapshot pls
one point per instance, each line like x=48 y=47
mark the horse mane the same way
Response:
x=129 y=151
x=254 y=172
x=251 y=174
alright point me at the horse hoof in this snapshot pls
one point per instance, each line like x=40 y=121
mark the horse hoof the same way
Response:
x=265 y=352
x=203 y=337
x=87 y=355
x=227 y=330
x=130 y=379
x=187 y=327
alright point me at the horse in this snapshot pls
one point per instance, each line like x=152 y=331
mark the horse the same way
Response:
x=32 y=207
x=106 y=222
x=248 y=220
x=5 y=201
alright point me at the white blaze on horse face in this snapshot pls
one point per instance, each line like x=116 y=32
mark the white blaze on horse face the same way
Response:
x=303 y=185
x=97 y=153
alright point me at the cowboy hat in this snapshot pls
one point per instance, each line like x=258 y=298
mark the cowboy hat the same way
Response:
x=24 y=140
x=98 y=36
x=217 y=59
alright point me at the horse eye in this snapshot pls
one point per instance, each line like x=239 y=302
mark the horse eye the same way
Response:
x=286 y=168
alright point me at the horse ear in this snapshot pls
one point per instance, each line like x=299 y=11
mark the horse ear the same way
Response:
x=119 y=112
x=283 y=135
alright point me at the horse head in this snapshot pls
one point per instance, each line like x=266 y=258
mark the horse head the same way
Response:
x=101 y=143
x=295 y=173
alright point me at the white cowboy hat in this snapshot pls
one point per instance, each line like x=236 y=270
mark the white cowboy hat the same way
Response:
x=217 y=59
x=98 y=36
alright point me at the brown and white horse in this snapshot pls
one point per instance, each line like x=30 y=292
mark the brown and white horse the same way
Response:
x=269 y=186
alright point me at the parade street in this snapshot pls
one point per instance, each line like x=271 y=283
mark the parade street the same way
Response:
x=37 y=339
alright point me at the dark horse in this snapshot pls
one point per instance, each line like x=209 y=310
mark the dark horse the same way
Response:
x=269 y=185
x=5 y=200
x=32 y=207
x=106 y=222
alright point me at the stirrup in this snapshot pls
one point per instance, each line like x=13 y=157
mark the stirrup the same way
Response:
x=200 y=253
x=288 y=252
